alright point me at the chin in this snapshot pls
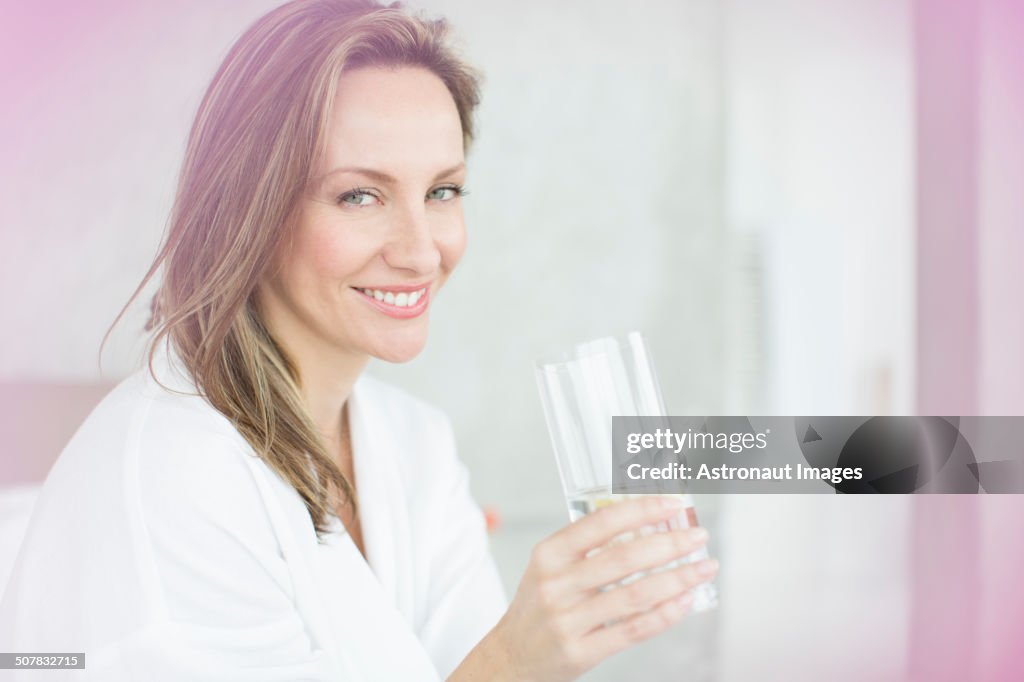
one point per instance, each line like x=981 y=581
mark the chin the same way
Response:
x=399 y=350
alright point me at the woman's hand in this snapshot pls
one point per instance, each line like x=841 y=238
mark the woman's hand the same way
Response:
x=560 y=623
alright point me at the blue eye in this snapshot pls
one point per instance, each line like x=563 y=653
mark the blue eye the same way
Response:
x=357 y=197
x=448 y=192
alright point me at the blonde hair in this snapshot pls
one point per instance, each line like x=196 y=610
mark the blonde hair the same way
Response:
x=258 y=136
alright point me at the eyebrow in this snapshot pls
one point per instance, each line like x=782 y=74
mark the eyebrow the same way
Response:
x=383 y=177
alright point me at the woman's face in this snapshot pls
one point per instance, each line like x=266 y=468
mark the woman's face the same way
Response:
x=380 y=228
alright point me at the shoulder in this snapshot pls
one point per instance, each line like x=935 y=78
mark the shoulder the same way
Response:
x=160 y=483
x=141 y=419
x=201 y=490
x=165 y=433
x=169 y=455
x=185 y=451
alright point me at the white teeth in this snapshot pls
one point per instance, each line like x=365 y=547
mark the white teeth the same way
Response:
x=402 y=299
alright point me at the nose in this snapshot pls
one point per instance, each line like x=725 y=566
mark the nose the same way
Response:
x=412 y=246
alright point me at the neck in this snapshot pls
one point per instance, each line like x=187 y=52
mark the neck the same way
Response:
x=326 y=384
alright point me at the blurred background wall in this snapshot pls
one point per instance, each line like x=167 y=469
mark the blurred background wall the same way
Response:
x=808 y=208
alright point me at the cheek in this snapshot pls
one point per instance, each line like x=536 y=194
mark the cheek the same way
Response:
x=328 y=255
x=452 y=245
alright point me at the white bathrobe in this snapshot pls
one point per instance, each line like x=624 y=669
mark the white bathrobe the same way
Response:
x=164 y=549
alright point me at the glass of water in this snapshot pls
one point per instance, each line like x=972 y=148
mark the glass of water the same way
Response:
x=581 y=390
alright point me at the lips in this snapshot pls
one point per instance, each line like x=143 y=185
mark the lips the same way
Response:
x=401 y=302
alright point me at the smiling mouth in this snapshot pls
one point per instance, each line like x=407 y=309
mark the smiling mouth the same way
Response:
x=399 y=299
x=400 y=304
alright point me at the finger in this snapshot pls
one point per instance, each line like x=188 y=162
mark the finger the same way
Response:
x=641 y=595
x=609 y=640
x=596 y=529
x=619 y=560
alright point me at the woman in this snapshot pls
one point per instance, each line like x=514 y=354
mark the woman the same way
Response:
x=251 y=506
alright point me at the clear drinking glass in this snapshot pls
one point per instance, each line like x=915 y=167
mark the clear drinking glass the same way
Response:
x=581 y=391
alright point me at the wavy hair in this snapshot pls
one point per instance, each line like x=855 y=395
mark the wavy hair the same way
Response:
x=258 y=136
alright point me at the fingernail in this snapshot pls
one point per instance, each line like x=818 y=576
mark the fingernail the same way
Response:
x=699 y=534
x=685 y=599
x=707 y=567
